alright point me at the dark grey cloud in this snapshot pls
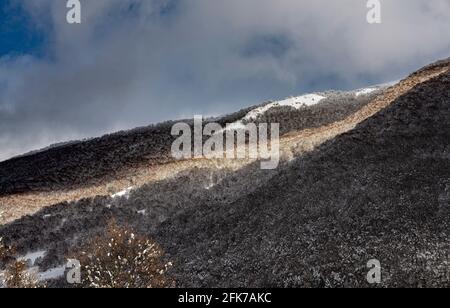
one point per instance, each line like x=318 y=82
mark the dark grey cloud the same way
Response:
x=134 y=62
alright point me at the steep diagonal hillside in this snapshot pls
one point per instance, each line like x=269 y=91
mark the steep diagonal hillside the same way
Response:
x=111 y=157
x=380 y=191
x=112 y=163
x=375 y=184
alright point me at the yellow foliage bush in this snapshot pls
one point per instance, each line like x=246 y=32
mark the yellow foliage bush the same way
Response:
x=13 y=273
x=122 y=259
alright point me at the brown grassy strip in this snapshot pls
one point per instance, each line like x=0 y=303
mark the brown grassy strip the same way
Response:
x=291 y=145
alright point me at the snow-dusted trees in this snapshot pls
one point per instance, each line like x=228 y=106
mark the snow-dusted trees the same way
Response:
x=122 y=259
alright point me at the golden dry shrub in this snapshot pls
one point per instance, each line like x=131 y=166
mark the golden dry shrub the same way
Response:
x=122 y=259
x=13 y=273
x=18 y=275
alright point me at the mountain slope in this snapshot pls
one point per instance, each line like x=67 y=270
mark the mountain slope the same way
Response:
x=353 y=186
x=380 y=191
x=115 y=162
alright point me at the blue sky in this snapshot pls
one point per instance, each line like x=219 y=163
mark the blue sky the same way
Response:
x=135 y=62
x=17 y=34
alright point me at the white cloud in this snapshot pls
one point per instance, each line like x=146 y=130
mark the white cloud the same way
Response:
x=113 y=71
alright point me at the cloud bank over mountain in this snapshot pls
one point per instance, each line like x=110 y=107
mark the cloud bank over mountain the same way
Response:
x=133 y=62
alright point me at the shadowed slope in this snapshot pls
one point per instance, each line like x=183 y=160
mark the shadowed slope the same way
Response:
x=135 y=158
x=380 y=191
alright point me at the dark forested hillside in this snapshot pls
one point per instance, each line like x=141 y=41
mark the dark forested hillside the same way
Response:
x=380 y=190
x=94 y=161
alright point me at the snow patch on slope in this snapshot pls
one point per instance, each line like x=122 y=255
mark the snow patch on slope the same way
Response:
x=379 y=87
x=294 y=102
x=124 y=193
x=235 y=126
x=32 y=257
x=298 y=102
x=365 y=91
x=53 y=273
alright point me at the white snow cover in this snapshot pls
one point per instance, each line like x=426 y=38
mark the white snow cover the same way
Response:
x=209 y=186
x=365 y=91
x=374 y=88
x=389 y=84
x=295 y=102
x=53 y=273
x=32 y=257
x=123 y=193
x=235 y=126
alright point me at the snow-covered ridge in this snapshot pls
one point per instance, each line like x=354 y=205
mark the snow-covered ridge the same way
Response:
x=294 y=102
x=378 y=87
x=297 y=102
x=366 y=91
